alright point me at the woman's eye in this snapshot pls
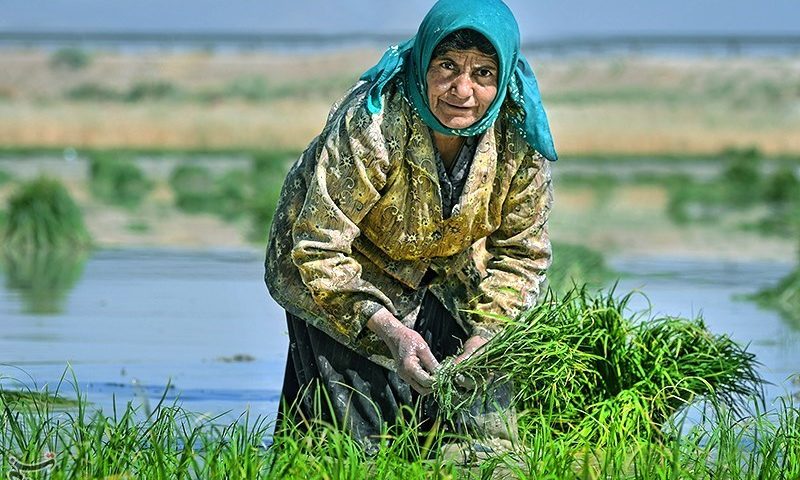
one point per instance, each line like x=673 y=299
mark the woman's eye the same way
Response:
x=447 y=65
x=485 y=72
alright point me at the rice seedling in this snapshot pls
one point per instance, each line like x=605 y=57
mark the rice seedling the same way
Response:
x=581 y=361
x=117 y=180
x=42 y=215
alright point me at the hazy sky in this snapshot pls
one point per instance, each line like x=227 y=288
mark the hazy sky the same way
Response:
x=538 y=19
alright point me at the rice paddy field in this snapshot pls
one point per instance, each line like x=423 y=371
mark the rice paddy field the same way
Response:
x=141 y=342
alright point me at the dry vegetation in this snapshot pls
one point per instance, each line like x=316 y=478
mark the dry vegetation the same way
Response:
x=268 y=100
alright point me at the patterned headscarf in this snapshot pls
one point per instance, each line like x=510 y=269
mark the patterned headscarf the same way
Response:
x=493 y=20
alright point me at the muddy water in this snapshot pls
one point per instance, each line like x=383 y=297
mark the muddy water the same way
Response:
x=129 y=323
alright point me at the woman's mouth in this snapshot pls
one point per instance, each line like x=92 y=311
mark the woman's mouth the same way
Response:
x=457 y=107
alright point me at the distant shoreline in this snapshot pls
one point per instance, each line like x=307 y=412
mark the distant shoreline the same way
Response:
x=687 y=44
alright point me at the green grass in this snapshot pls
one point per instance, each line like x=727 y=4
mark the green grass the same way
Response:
x=117 y=180
x=171 y=443
x=42 y=216
x=16 y=399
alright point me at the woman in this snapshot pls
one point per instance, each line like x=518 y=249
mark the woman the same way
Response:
x=421 y=207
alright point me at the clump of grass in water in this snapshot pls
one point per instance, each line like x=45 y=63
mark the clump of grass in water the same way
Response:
x=198 y=191
x=576 y=265
x=5 y=177
x=193 y=186
x=117 y=180
x=42 y=215
x=254 y=192
x=579 y=358
x=784 y=297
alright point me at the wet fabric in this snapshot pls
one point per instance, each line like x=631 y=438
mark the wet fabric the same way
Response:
x=360 y=223
x=360 y=397
x=516 y=79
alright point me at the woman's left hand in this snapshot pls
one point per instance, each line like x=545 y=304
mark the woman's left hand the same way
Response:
x=470 y=346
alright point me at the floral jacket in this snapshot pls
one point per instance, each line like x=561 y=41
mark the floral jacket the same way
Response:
x=359 y=223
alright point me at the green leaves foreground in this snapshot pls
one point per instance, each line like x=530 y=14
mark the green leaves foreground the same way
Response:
x=579 y=360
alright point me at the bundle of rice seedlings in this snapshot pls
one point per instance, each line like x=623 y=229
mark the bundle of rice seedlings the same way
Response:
x=42 y=215
x=579 y=359
x=674 y=360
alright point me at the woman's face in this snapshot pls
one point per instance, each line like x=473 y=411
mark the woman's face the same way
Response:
x=461 y=86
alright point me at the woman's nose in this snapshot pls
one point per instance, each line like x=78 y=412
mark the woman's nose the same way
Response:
x=462 y=86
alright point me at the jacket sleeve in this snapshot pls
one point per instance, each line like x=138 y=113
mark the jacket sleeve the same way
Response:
x=519 y=250
x=344 y=184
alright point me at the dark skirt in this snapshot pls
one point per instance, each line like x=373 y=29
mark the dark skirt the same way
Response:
x=358 y=395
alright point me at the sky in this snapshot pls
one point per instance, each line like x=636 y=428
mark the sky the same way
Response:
x=544 y=19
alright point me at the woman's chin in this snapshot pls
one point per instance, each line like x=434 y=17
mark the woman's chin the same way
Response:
x=457 y=123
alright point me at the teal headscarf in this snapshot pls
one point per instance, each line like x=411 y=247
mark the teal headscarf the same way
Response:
x=493 y=20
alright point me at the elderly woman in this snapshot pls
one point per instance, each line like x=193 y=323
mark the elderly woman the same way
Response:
x=414 y=222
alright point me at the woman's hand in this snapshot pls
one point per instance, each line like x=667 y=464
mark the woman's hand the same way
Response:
x=413 y=358
x=470 y=346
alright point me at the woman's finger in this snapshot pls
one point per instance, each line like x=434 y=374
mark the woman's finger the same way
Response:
x=466 y=383
x=413 y=384
x=427 y=359
x=415 y=371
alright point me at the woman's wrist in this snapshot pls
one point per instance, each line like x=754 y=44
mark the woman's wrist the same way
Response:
x=386 y=326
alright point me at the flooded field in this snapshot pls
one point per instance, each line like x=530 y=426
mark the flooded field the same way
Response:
x=133 y=324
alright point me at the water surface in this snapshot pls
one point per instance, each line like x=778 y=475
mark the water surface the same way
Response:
x=132 y=322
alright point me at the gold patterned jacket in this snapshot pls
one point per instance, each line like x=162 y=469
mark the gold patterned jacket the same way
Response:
x=359 y=223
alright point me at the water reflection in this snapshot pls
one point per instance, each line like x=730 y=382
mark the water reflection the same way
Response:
x=43 y=278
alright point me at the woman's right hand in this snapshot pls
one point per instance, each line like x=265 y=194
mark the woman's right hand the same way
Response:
x=413 y=358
